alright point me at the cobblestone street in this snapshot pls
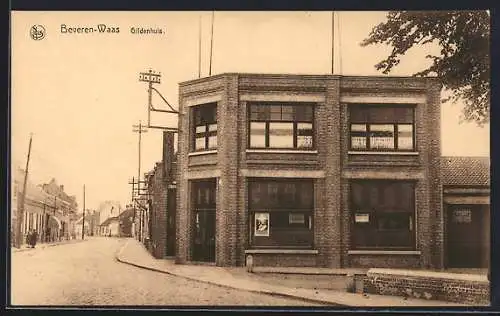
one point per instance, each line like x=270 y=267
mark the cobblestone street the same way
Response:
x=87 y=273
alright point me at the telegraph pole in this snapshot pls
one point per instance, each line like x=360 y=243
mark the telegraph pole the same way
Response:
x=20 y=219
x=140 y=129
x=83 y=221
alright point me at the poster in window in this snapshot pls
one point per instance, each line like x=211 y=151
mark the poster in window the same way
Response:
x=261 y=224
x=362 y=218
x=462 y=215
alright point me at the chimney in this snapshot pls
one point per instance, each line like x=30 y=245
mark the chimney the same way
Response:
x=168 y=155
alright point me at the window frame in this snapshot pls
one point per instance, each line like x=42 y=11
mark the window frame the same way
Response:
x=269 y=120
x=278 y=213
x=207 y=133
x=395 y=125
x=371 y=229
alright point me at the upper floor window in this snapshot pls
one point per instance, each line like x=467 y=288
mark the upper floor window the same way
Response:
x=279 y=126
x=382 y=128
x=204 y=127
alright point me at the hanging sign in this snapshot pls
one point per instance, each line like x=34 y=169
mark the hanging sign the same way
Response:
x=261 y=224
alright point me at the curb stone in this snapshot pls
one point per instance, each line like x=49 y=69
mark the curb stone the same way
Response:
x=265 y=292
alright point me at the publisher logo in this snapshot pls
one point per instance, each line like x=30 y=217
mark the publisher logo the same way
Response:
x=37 y=32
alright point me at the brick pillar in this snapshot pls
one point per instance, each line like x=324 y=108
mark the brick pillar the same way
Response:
x=434 y=173
x=162 y=180
x=328 y=216
x=168 y=155
x=227 y=185
x=183 y=223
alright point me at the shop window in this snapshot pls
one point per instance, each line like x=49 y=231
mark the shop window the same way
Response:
x=204 y=132
x=383 y=215
x=281 y=126
x=382 y=128
x=281 y=213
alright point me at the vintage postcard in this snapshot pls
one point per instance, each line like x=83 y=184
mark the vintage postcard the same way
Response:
x=218 y=158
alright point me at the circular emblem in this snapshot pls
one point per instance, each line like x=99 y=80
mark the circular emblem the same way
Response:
x=37 y=32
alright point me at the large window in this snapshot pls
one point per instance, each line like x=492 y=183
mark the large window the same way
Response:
x=382 y=128
x=382 y=215
x=278 y=126
x=281 y=213
x=204 y=127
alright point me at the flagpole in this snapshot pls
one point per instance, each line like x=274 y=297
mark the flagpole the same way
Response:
x=333 y=42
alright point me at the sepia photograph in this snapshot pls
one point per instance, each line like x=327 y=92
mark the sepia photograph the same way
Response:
x=291 y=159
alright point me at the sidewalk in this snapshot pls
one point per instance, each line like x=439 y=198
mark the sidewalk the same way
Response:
x=134 y=253
x=25 y=247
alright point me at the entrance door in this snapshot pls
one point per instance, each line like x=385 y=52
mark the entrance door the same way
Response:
x=465 y=236
x=204 y=206
x=204 y=236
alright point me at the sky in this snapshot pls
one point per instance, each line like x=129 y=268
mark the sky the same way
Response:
x=79 y=94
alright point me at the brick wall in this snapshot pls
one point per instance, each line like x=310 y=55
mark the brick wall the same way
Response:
x=429 y=285
x=158 y=189
x=284 y=260
x=158 y=213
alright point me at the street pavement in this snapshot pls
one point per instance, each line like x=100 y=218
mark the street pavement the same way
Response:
x=135 y=254
x=87 y=273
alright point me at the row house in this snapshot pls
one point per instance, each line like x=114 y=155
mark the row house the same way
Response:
x=44 y=211
x=323 y=171
x=66 y=206
x=126 y=219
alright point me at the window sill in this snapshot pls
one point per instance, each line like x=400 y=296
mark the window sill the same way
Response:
x=281 y=151
x=205 y=152
x=385 y=153
x=384 y=252
x=283 y=251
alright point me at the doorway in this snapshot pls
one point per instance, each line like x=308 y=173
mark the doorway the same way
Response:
x=204 y=236
x=468 y=236
x=203 y=220
x=171 y=213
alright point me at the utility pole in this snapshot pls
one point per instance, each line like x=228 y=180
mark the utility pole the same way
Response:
x=151 y=77
x=20 y=219
x=140 y=129
x=83 y=221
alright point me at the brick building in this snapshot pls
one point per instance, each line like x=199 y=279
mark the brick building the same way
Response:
x=161 y=208
x=318 y=170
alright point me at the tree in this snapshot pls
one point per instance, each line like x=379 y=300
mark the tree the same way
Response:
x=463 y=65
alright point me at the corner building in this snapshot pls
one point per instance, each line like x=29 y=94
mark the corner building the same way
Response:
x=310 y=170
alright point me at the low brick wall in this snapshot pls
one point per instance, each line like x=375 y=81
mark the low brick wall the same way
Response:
x=452 y=287
x=281 y=259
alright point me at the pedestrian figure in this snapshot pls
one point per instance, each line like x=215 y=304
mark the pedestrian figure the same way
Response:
x=34 y=237
x=28 y=238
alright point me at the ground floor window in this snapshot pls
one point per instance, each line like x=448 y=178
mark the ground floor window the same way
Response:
x=382 y=214
x=281 y=212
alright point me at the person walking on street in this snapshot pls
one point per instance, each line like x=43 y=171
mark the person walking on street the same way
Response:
x=28 y=238
x=34 y=237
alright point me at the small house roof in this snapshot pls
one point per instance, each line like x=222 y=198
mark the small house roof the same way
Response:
x=465 y=171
